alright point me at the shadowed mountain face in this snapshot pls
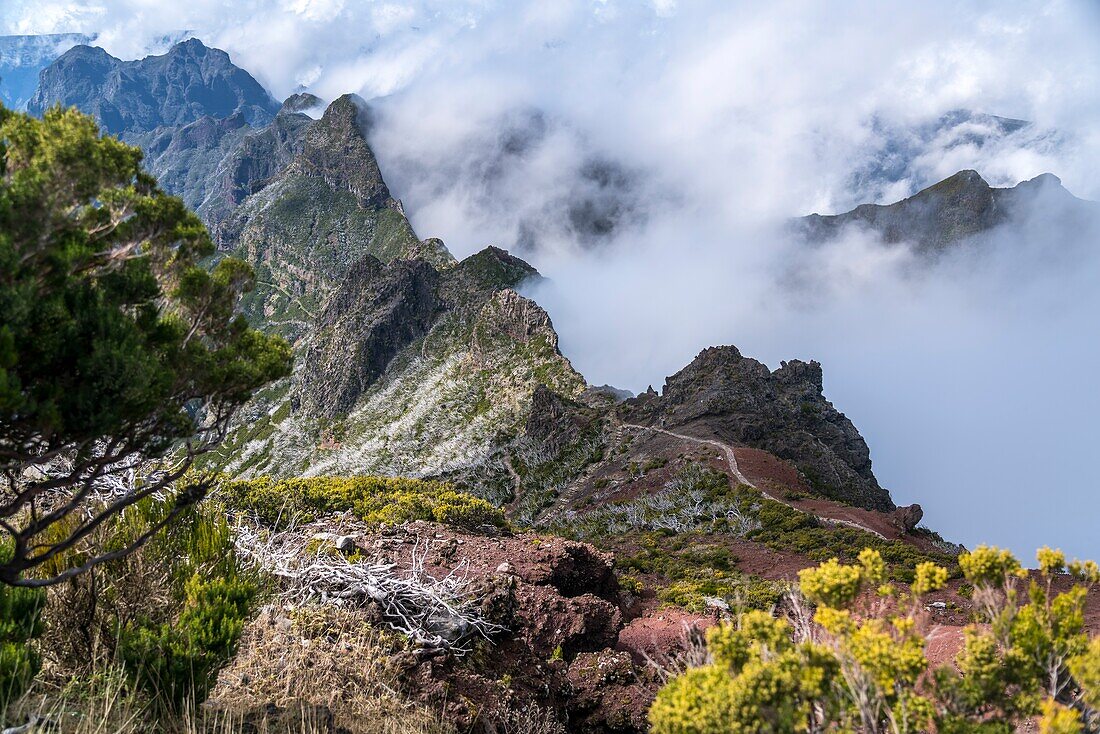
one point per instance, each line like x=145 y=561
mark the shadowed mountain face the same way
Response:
x=187 y=83
x=956 y=209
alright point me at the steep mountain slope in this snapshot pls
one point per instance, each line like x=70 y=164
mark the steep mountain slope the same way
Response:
x=300 y=199
x=408 y=370
x=23 y=57
x=328 y=208
x=958 y=208
x=187 y=83
x=253 y=160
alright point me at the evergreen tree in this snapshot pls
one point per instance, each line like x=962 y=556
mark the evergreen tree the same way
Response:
x=119 y=344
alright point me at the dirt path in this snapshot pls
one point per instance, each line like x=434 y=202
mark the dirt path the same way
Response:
x=731 y=461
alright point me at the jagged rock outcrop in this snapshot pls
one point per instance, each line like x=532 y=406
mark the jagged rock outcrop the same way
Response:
x=248 y=166
x=959 y=207
x=375 y=313
x=517 y=318
x=301 y=102
x=189 y=82
x=555 y=421
x=739 y=401
x=306 y=224
x=484 y=273
x=907 y=518
x=335 y=149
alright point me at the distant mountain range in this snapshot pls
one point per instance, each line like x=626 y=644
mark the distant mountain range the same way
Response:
x=960 y=208
x=186 y=84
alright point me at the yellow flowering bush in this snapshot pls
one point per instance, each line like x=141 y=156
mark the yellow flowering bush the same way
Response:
x=860 y=666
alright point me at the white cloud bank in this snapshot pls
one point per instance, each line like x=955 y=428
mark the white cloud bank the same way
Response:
x=642 y=153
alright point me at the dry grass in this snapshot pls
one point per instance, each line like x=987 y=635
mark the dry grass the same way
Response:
x=321 y=658
x=100 y=703
x=315 y=670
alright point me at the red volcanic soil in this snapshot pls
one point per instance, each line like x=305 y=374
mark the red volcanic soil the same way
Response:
x=763 y=468
x=660 y=631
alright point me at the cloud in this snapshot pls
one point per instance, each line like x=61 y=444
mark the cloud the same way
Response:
x=641 y=155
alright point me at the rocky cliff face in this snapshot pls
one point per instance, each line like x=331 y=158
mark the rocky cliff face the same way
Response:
x=956 y=209
x=189 y=82
x=250 y=164
x=739 y=401
x=408 y=370
x=374 y=313
x=306 y=224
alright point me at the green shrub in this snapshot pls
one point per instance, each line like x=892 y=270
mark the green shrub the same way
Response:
x=372 y=499
x=169 y=613
x=784 y=528
x=179 y=663
x=20 y=622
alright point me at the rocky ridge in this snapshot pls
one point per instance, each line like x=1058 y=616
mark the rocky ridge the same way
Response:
x=189 y=82
x=960 y=208
x=408 y=370
x=739 y=401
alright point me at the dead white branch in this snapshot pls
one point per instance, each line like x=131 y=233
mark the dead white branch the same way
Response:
x=437 y=613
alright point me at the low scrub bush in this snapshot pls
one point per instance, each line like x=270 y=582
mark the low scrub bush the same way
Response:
x=177 y=662
x=166 y=617
x=20 y=622
x=372 y=499
x=697 y=568
x=786 y=529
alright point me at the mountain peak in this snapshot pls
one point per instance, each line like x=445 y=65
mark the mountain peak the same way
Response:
x=192 y=46
x=336 y=150
x=964 y=181
x=1042 y=181
x=300 y=102
x=188 y=82
x=737 y=400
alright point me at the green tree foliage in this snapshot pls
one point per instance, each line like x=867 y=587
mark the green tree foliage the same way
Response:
x=859 y=664
x=166 y=617
x=118 y=343
x=372 y=499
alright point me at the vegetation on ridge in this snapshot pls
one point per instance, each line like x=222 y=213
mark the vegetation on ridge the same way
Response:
x=373 y=500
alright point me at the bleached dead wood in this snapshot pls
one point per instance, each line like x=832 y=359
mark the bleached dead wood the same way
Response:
x=437 y=613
